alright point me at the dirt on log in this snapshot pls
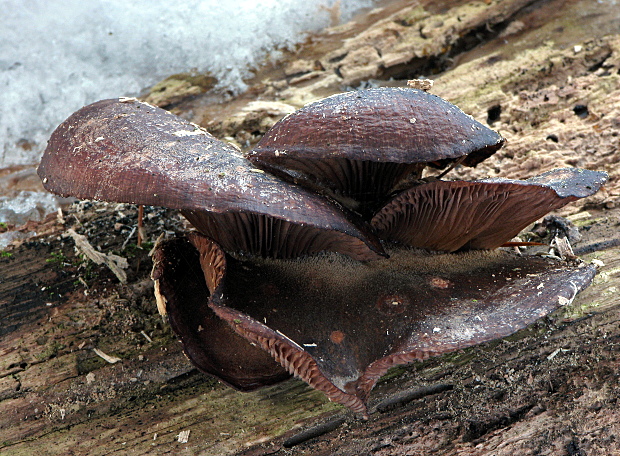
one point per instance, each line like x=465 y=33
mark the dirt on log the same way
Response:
x=88 y=367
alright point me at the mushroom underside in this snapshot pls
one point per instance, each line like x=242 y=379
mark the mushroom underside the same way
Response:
x=340 y=324
x=208 y=341
x=360 y=185
x=459 y=215
x=357 y=146
x=258 y=234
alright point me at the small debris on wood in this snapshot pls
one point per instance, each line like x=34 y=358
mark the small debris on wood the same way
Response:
x=183 y=436
x=314 y=431
x=564 y=248
x=557 y=225
x=146 y=336
x=405 y=397
x=114 y=262
x=133 y=230
x=141 y=229
x=555 y=353
x=106 y=357
x=421 y=84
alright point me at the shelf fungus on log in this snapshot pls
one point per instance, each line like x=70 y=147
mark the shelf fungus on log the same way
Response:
x=458 y=215
x=279 y=279
x=339 y=324
x=128 y=151
x=359 y=146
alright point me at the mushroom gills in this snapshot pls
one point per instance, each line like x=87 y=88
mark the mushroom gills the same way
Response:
x=458 y=215
x=243 y=234
x=361 y=186
x=340 y=324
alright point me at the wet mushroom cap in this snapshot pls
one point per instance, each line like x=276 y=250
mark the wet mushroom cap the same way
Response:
x=397 y=125
x=340 y=324
x=128 y=151
x=363 y=143
x=459 y=215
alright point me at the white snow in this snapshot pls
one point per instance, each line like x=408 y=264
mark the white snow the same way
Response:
x=58 y=55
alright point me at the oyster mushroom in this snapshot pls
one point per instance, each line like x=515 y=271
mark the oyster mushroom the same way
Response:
x=340 y=325
x=263 y=291
x=128 y=151
x=459 y=215
x=359 y=146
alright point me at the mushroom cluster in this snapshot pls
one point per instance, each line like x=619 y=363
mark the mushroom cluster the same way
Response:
x=329 y=252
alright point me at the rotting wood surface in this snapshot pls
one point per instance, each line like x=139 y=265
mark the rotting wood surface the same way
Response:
x=551 y=389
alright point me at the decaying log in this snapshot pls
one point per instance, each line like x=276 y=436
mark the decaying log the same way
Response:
x=548 y=82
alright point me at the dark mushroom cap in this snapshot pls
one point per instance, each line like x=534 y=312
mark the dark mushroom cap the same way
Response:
x=484 y=214
x=208 y=341
x=397 y=125
x=340 y=325
x=367 y=141
x=128 y=151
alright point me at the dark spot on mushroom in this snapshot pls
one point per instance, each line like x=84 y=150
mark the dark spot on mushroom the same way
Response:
x=269 y=289
x=336 y=337
x=439 y=282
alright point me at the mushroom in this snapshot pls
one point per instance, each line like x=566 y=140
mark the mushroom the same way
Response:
x=340 y=324
x=359 y=146
x=450 y=216
x=128 y=151
x=278 y=281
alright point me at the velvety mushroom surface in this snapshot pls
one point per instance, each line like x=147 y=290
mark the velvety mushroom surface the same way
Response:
x=340 y=324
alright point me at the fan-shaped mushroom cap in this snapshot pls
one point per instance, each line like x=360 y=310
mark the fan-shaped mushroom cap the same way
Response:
x=484 y=214
x=361 y=144
x=340 y=324
x=128 y=151
x=208 y=341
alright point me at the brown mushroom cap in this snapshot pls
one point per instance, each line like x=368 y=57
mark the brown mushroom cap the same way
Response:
x=208 y=341
x=128 y=151
x=361 y=144
x=484 y=214
x=339 y=324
